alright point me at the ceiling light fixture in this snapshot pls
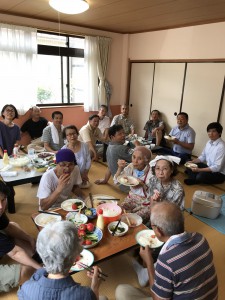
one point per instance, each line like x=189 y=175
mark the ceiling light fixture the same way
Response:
x=69 y=6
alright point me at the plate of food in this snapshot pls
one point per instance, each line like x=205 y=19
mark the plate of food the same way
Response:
x=90 y=235
x=147 y=238
x=47 y=156
x=76 y=218
x=128 y=180
x=169 y=137
x=99 y=199
x=43 y=219
x=72 y=205
x=190 y=165
x=131 y=219
x=85 y=257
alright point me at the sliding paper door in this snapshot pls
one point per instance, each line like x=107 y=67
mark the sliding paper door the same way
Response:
x=167 y=92
x=202 y=94
x=140 y=94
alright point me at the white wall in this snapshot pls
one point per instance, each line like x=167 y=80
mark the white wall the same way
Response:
x=195 y=42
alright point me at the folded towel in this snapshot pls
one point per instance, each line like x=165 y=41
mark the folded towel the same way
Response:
x=55 y=134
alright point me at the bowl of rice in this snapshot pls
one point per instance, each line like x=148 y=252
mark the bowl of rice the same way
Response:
x=111 y=212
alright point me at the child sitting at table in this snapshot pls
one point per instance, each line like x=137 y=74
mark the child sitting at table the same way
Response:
x=136 y=201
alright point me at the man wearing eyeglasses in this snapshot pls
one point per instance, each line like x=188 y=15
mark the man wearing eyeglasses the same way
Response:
x=57 y=184
x=184 y=268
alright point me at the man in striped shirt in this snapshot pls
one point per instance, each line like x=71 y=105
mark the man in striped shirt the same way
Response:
x=184 y=268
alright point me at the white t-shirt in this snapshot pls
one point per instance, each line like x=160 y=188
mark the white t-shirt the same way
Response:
x=49 y=182
x=104 y=124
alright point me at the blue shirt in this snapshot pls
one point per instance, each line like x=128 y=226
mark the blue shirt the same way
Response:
x=186 y=135
x=40 y=287
x=214 y=155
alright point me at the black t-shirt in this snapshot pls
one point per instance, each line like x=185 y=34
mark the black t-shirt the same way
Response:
x=6 y=243
x=34 y=129
x=4 y=221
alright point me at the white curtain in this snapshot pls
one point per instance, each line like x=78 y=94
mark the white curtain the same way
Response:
x=103 y=54
x=18 y=49
x=91 y=84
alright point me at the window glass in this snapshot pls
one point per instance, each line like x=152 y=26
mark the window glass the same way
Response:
x=60 y=71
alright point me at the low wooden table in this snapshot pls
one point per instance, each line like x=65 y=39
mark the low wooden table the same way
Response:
x=110 y=245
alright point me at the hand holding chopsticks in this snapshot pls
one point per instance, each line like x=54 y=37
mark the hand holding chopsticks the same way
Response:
x=91 y=270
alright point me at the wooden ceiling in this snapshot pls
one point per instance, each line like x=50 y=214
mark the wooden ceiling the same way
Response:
x=125 y=16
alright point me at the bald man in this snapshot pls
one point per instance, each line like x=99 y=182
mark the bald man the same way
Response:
x=184 y=269
x=124 y=120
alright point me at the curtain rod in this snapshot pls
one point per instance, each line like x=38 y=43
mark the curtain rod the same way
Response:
x=54 y=30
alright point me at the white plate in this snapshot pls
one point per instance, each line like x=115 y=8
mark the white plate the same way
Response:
x=147 y=238
x=190 y=165
x=97 y=199
x=86 y=257
x=170 y=138
x=44 y=219
x=135 y=219
x=67 y=204
x=128 y=180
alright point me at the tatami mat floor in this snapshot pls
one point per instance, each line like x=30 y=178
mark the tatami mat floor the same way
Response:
x=118 y=268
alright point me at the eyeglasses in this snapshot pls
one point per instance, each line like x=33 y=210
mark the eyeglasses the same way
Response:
x=9 y=110
x=66 y=165
x=71 y=134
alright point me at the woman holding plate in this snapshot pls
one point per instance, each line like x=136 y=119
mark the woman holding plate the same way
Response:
x=139 y=168
x=163 y=186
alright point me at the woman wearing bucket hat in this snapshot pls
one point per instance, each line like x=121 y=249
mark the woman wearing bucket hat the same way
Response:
x=57 y=184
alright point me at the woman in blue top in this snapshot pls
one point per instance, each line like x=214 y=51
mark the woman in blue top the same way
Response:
x=9 y=132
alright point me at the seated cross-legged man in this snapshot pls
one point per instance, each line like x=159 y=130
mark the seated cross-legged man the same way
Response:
x=183 y=139
x=16 y=244
x=124 y=120
x=57 y=184
x=34 y=127
x=154 y=129
x=90 y=134
x=52 y=134
x=184 y=268
x=211 y=163
x=115 y=151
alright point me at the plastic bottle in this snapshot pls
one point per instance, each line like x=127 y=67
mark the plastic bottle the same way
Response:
x=15 y=150
x=100 y=221
x=5 y=159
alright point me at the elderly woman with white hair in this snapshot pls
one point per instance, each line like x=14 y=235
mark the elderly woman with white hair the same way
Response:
x=58 y=246
x=163 y=186
x=139 y=168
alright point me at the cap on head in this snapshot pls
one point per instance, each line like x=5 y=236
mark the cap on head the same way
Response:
x=65 y=155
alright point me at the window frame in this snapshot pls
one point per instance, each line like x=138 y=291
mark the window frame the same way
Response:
x=61 y=52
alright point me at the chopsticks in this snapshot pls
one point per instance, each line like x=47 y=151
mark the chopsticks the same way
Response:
x=110 y=199
x=115 y=229
x=90 y=269
x=128 y=221
x=48 y=213
x=91 y=199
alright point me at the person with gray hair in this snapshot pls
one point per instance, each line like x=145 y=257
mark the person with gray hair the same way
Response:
x=58 y=245
x=184 y=268
x=135 y=202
